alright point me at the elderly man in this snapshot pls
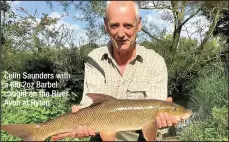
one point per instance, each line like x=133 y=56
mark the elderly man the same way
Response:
x=124 y=69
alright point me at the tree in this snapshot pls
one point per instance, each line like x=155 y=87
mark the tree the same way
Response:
x=89 y=12
x=179 y=10
x=222 y=24
x=33 y=34
x=222 y=29
x=180 y=13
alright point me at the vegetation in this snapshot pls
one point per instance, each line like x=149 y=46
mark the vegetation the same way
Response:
x=12 y=114
x=214 y=128
x=209 y=101
x=198 y=69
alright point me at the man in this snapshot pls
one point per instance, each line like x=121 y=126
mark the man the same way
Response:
x=124 y=69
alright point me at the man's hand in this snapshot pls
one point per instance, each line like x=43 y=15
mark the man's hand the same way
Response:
x=164 y=119
x=81 y=132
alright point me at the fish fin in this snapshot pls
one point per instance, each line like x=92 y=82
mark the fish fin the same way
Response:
x=24 y=131
x=99 y=98
x=60 y=136
x=149 y=131
x=107 y=135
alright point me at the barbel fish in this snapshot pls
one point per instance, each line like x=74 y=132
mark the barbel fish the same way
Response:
x=105 y=116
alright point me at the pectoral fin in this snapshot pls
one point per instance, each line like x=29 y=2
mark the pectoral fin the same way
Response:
x=60 y=136
x=149 y=131
x=107 y=136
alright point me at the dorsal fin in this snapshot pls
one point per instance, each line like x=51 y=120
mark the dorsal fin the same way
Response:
x=99 y=98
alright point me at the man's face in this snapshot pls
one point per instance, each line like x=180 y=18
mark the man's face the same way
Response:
x=122 y=26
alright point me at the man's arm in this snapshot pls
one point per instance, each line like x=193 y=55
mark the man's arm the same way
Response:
x=159 y=91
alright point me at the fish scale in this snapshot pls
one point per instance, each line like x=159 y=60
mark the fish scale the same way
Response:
x=109 y=111
x=108 y=115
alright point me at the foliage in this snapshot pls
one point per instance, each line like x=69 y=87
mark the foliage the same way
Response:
x=203 y=83
x=181 y=64
x=72 y=61
x=208 y=90
x=214 y=128
x=40 y=64
x=13 y=114
x=209 y=103
x=90 y=12
x=52 y=61
x=222 y=24
x=30 y=33
x=33 y=46
x=12 y=59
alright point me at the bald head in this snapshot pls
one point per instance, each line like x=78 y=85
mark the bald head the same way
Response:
x=122 y=23
x=121 y=6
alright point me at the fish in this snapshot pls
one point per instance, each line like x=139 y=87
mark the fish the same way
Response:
x=106 y=116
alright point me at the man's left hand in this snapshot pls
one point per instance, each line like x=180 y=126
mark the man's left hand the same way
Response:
x=164 y=119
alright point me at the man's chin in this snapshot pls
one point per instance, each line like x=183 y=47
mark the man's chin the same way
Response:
x=123 y=48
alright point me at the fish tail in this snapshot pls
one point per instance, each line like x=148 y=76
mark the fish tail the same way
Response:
x=24 y=131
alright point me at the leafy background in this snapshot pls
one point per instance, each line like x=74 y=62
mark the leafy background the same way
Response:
x=198 y=70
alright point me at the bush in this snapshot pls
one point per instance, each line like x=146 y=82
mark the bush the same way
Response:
x=209 y=102
x=12 y=60
x=214 y=128
x=26 y=114
x=182 y=64
x=40 y=64
x=208 y=90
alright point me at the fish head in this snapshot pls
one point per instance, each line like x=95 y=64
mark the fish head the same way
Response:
x=175 y=110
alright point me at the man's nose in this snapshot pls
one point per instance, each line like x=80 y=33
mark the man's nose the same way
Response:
x=121 y=32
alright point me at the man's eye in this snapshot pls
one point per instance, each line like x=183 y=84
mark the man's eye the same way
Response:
x=128 y=26
x=114 y=26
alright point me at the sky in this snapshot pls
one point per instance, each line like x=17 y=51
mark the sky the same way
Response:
x=148 y=16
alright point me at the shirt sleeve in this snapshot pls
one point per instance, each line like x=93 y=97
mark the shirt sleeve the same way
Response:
x=159 y=81
x=94 y=81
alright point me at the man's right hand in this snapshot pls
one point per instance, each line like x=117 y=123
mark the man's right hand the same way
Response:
x=81 y=132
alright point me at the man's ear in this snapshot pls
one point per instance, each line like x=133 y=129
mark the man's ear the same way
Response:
x=105 y=24
x=140 y=24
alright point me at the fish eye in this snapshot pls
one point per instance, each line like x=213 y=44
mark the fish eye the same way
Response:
x=174 y=108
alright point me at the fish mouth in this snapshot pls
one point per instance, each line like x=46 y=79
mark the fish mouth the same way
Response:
x=186 y=117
